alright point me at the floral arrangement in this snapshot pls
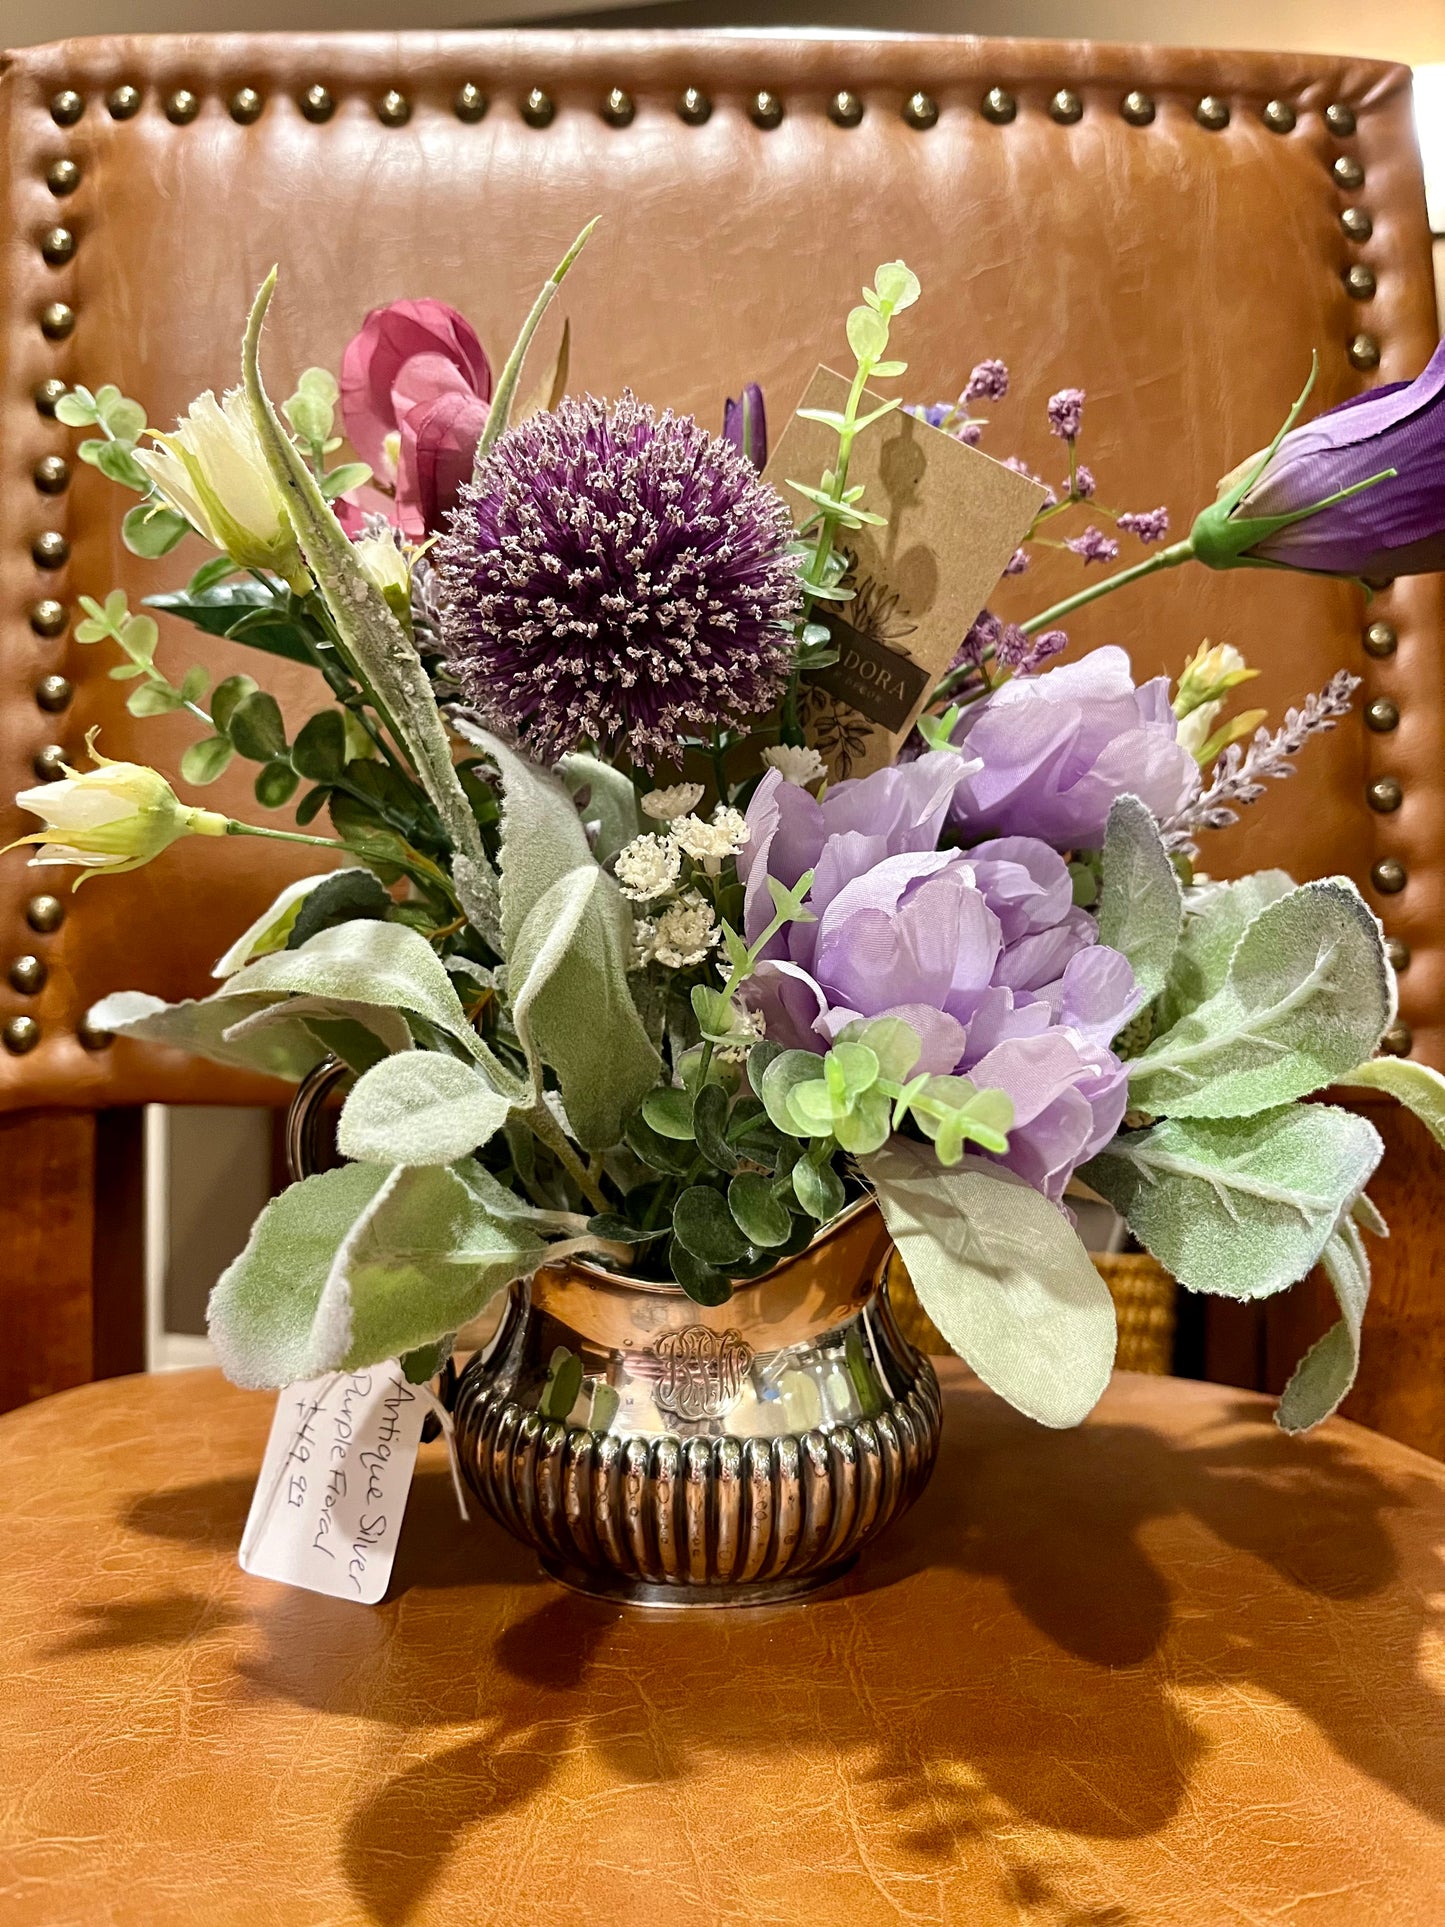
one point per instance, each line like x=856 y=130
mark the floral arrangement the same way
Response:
x=614 y=967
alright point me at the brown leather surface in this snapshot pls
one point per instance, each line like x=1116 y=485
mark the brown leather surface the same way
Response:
x=1173 y=1670
x=1181 y=275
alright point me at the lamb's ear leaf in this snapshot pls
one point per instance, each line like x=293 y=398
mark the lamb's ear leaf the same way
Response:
x=1002 y=1274
x=419 y=1108
x=1141 y=906
x=611 y=801
x=1327 y=1371
x=1216 y=916
x=1417 y=1086
x=201 y=1026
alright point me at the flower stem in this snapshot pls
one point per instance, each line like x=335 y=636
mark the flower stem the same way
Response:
x=233 y=828
x=1169 y=558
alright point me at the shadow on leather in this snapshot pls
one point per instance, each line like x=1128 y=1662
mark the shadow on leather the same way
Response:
x=171 y=1619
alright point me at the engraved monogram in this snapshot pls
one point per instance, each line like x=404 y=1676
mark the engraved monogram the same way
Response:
x=702 y=1371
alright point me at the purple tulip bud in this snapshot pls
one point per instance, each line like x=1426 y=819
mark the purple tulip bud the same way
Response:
x=746 y=426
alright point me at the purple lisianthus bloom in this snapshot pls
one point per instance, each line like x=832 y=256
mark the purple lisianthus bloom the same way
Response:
x=1285 y=508
x=1056 y=750
x=982 y=953
x=745 y=425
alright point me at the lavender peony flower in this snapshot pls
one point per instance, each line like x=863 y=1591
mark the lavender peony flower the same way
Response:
x=1266 y=511
x=982 y=952
x=619 y=578
x=1057 y=749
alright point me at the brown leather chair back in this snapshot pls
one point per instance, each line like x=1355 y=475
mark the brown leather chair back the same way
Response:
x=1174 y=231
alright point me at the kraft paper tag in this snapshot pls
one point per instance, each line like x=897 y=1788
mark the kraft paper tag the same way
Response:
x=333 y=1486
x=954 y=519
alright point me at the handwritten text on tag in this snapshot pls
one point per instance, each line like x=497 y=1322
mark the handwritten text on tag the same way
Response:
x=333 y=1487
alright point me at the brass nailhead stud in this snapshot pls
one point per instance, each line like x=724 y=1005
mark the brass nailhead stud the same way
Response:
x=50 y=550
x=694 y=107
x=537 y=109
x=1347 y=171
x=66 y=107
x=56 y=320
x=1066 y=107
x=49 y=763
x=1398 y=953
x=317 y=104
x=245 y=105
x=619 y=108
x=1382 y=715
x=182 y=106
x=1360 y=281
x=1212 y=112
x=58 y=246
x=765 y=109
x=45 y=914
x=1279 y=116
x=1380 y=639
x=92 y=1036
x=393 y=109
x=921 y=111
x=845 y=109
x=1137 y=108
x=1385 y=795
x=123 y=102
x=1364 y=352
x=21 y=1034
x=53 y=693
x=27 y=975
x=47 y=394
x=1357 y=223
x=470 y=103
x=62 y=177
x=1340 y=119
x=999 y=106
x=1388 y=876
x=1398 y=1040
x=48 y=618
x=51 y=474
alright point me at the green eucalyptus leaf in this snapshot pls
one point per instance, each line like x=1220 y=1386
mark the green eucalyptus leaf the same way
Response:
x=657 y=1152
x=818 y=1189
x=194 y=683
x=117 y=464
x=203 y=762
x=123 y=418
x=702 y=1283
x=897 y=285
x=275 y=785
x=419 y=1107
x=867 y=333
x=702 y=1222
x=709 y=1124
x=151 y=531
x=77 y=409
x=895 y=1044
x=1141 y=907
x=762 y=1218
x=784 y=1074
x=341 y=481
x=154 y=699
x=669 y=1112
x=225 y=697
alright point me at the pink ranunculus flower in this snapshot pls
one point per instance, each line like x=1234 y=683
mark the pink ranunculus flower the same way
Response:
x=415 y=387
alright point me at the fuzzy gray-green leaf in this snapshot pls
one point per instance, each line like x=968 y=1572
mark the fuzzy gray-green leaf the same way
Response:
x=1141 y=906
x=1216 y=916
x=419 y=1108
x=1327 y=1371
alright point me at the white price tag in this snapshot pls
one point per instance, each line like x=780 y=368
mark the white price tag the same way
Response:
x=333 y=1487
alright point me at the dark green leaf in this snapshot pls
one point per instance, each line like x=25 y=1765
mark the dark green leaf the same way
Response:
x=354 y=1043
x=619 y=1230
x=256 y=727
x=152 y=532
x=319 y=752
x=819 y=1189
x=746 y=1116
x=342 y=898
x=761 y=1217
x=709 y=1124
x=669 y=1113
x=204 y=761
x=659 y=1153
x=564 y=1382
x=210 y=573
x=225 y=698
x=702 y=1222
x=224 y=608
x=426 y=1361
x=701 y=1282
x=311 y=806
x=275 y=785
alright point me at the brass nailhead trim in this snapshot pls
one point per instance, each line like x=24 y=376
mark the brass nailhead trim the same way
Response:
x=393 y=109
x=27 y=974
x=999 y=106
x=21 y=1034
x=1066 y=107
x=1348 y=172
x=1380 y=639
x=49 y=763
x=1382 y=715
x=1388 y=876
x=1385 y=794
x=921 y=111
x=66 y=107
x=62 y=176
x=58 y=246
x=538 y=109
x=1360 y=281
x=1278 y=116
x=1212 y=112
x=317 y=104
x=45 y=914
x=50 y=550
x=1357 y=223
x=619 y=109
x=182 y=107
x=245 y=105
x=92 y=1036
x=1137 y=108
x=471 y=103
x=694 y=107
x=1398 y=1040
x=56 y=320
x=845 y=109
x=1397 y=952
x=49 y=618
x=123 y=102
x=1364 y=352
x=765 y=109
x=47 y=394
x=1340 y=119
x=54 y=693
x=51 y=474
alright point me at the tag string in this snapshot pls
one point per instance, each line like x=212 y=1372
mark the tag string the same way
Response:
x=449 y=1433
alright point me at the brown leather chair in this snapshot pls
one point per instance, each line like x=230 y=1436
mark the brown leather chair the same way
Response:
x=1173 y=230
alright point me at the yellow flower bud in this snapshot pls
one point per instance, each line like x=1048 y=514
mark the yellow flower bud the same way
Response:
x=1209 y=675
x=388 y=567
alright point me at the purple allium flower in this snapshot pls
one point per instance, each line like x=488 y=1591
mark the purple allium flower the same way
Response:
x=745 y=425
x=1395 y=527
x=1017 y=562
x=1057 y=749
x=1150 y=525
x=982 y=952
x=1066 y=413
x=617 y=577
x=988 y=382
x=1093 y=545
x=1084 y=484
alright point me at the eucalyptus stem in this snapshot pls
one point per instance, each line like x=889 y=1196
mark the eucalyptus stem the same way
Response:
x=1169 y=558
